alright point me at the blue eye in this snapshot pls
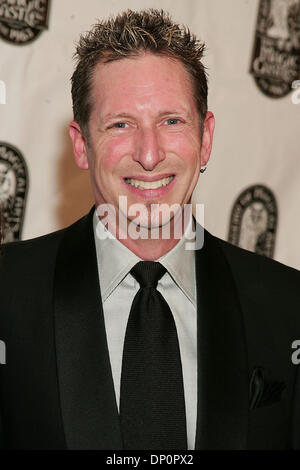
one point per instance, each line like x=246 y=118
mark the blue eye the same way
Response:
x=120 y=125
x=172 y=121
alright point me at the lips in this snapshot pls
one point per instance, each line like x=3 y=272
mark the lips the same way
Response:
x=155 y=184
x=148 y=177
x=147 y=187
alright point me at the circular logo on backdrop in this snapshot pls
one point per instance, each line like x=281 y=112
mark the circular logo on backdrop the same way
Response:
x=275 y=61
x=253 y=220
x=13 y=190
x=21 y=21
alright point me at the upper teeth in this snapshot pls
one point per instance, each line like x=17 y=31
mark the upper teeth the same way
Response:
x=149 y=184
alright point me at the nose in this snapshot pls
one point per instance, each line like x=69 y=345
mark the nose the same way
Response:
x=148 y=150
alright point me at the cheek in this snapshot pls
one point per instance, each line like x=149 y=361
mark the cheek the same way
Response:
x=111 y=152
x=187 y=148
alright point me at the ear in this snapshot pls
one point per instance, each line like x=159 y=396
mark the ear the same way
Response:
x=207 y=137
x=79 y=145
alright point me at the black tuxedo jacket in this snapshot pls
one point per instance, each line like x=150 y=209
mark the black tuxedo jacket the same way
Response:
x=56 y=388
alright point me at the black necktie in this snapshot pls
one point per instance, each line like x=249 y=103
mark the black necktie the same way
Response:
x=152 y=407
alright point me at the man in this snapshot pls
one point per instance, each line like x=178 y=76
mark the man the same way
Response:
x=117 y=336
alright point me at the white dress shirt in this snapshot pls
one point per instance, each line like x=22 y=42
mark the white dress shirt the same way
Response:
x=178 y=287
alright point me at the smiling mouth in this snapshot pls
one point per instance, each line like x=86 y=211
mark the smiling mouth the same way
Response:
x=149 y=184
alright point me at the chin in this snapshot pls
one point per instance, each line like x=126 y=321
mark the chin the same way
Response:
x=149 y=222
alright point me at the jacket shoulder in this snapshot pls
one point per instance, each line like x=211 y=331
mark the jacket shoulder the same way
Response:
x=257 y=269
x=41 y=249
x=15 y=255
x=269 y=291
x=34 y=257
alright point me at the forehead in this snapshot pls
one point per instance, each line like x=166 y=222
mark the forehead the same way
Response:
x=148 y=80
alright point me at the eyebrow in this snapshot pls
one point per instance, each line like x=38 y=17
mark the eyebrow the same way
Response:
x=178 y=112
x=108 y=116
x=125 y=115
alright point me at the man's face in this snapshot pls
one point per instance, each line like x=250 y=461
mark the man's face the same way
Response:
x=144 y=127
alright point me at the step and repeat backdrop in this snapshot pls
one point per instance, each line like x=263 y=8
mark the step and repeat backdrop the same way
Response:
x=251 y=188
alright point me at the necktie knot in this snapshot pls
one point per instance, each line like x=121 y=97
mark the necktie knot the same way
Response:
x=148 y=273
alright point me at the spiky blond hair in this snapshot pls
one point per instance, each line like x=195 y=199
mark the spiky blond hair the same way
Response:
x=129 y=34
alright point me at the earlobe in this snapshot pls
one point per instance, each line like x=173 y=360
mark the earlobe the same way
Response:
x=207 y=138
x=79 y=145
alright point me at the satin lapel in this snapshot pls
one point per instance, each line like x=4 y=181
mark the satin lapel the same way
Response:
x=223 y=383
x=87 y=396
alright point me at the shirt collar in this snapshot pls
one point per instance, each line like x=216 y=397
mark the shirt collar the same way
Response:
x=115 y=260
x=180 y=262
